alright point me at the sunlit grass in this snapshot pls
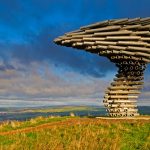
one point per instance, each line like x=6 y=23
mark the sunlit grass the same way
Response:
x=14 y=125
x=81 y=134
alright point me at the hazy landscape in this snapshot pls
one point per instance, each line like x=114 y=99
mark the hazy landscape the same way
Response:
x=13 y=113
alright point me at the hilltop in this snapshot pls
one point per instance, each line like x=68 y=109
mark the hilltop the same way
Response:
x=72 y=133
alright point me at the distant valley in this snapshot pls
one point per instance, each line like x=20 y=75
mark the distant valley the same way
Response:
x=28 y=113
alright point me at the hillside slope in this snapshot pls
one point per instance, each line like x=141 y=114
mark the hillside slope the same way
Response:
x=66 y=133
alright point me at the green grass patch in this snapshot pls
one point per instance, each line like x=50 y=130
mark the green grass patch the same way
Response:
x=83 y=134
x=64 y=109
x=14 y=125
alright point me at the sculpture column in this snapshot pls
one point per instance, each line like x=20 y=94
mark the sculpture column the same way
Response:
x=121 y=96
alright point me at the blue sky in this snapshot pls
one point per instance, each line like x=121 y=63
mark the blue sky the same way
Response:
x=34 y=71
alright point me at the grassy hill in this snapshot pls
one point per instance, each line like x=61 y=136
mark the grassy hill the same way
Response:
x=75 y=133
x=53 y=109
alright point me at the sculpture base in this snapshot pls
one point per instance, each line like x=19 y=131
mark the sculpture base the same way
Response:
x=121 y=96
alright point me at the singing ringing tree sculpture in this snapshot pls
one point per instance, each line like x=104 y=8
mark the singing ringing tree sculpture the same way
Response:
x=126 y=42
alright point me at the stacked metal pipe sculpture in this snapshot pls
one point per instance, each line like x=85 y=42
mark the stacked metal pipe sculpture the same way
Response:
x=126 y=42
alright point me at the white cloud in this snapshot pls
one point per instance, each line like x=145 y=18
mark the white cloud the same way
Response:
x=44 y=84
x=40 y=81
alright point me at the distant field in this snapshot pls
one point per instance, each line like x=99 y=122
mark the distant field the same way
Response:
x=142 y=109
x=63 y=109
x=52 y=109
x=75 y=133
x=28 y=113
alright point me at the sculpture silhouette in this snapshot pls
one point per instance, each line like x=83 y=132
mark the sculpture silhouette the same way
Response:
x=126 y=42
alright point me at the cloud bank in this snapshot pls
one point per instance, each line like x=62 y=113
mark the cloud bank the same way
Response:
x=33 y=68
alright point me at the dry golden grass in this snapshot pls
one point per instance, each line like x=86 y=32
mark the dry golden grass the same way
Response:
x=79 y=134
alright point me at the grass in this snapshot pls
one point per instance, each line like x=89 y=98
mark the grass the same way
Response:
x=63 y=109
x=74 y=133
x=15 y=125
